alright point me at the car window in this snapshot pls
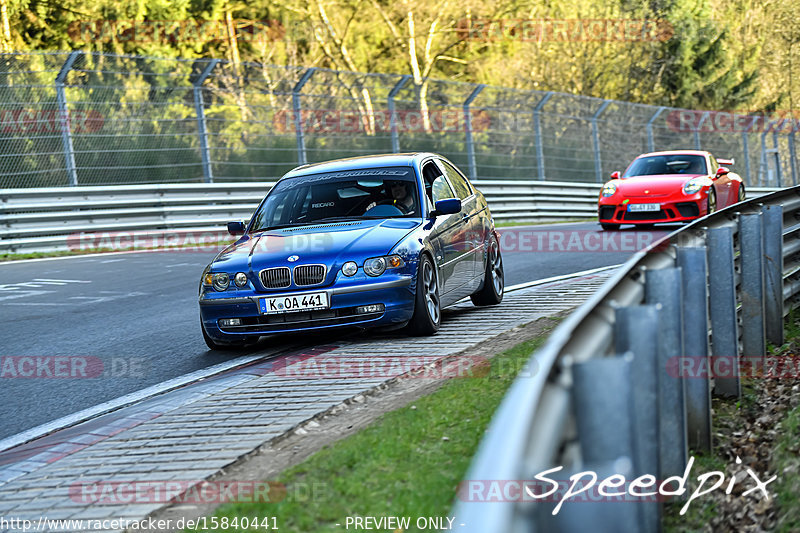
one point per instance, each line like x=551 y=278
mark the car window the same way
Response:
x=666 y=165
x=460 y=185
x=714 y=165
x=436 y=186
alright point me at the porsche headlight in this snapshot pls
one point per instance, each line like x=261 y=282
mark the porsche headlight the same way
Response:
x=609 y=189
x=375 y=266
x=694 y=185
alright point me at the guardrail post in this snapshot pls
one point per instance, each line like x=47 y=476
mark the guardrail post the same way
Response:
x=635 y=328
x=694 y=276
x=297 y=109
x=393 y=113
x=650 y=141
x=664 y=287
x=598 y=170
x=473 y=169
x=63 y=112
x=537 y=126
x=773 y=272
x=751 y=246
x=200 y=112
x=722 y=307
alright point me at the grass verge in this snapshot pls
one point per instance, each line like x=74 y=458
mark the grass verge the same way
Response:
x=407 y=463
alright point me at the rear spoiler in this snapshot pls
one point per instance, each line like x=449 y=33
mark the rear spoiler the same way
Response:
x=725 y=161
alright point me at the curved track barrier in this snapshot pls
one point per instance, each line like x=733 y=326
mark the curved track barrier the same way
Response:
x=611 y=394
x=63 y=218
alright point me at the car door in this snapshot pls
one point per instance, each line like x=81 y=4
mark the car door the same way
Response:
x=447 y=235
x=473 y=240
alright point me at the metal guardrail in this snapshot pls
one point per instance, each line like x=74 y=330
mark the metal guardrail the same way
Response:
x=46 y=219
x=606 y=396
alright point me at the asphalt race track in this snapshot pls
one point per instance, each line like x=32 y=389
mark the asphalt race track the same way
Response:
x=136 y=316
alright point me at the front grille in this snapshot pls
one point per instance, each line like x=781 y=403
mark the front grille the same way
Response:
x=688 y=209
x=607 y=212
x=275 y=278
x=645 y=215
x=305 y=275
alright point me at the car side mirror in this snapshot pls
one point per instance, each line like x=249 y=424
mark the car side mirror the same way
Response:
x=721 y=171
x=236 y=228
x=447 y=207
x=615 y=175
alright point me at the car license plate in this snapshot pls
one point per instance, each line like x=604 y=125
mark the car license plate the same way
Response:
x=643 y=207
x=293 y=302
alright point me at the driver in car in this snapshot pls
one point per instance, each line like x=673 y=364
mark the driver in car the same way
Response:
x=400 y=196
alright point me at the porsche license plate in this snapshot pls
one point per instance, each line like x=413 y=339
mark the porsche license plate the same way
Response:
x=294 y=302
x=638 y=208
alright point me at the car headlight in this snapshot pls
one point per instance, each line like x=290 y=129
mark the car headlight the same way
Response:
x=350 y=268
x=375 y=266
x=694 y=185
x=609 y=189
x=220 y=281
x=240 y=279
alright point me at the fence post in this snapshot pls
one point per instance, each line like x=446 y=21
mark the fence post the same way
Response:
x=598 y=170
x=302 y=159
x=751 y=248
x=746 y=148
x=473 y=170
x=63 y=112
x=650 y=141
x=664 y=287
x=635 y=328
x=773 y=272
x=697 y=130
x=694 y=272
x=793 y=151
x=200 y=112
x=724 y=326
x=776 y=151
x=393 y=113
x=537 y=126
x=764 y=170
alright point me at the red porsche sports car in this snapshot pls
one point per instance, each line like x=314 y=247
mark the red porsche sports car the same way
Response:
x=673 y=186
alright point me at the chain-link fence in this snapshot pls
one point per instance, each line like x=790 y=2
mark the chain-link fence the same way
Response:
x=73 y=118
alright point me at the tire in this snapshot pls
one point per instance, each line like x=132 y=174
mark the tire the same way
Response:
x=427 y=315
x=711 y=201
x=493 y=278
x=741 y=193
x=609 y=227
x=223 y=347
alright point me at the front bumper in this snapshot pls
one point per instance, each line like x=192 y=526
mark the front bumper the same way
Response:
x=686 y=209
x=396 y=294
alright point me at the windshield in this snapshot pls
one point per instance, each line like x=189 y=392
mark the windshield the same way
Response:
x=667 y=164
x=346 y=195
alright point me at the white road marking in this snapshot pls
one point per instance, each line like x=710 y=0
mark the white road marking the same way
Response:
x=111 y=261
x=63 y=281
x=23 y=294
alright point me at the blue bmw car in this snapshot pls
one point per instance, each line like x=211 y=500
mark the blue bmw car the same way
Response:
x=381 y=241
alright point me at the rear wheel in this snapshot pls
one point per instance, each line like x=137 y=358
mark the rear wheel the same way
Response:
x=712 y=201
x=493 y=278
x=609 y=227
x=427 y=306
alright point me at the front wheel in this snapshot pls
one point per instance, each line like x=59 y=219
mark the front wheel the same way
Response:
x=493 y=278
x=427 y=306
x=741 y=193
x=712 y=201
